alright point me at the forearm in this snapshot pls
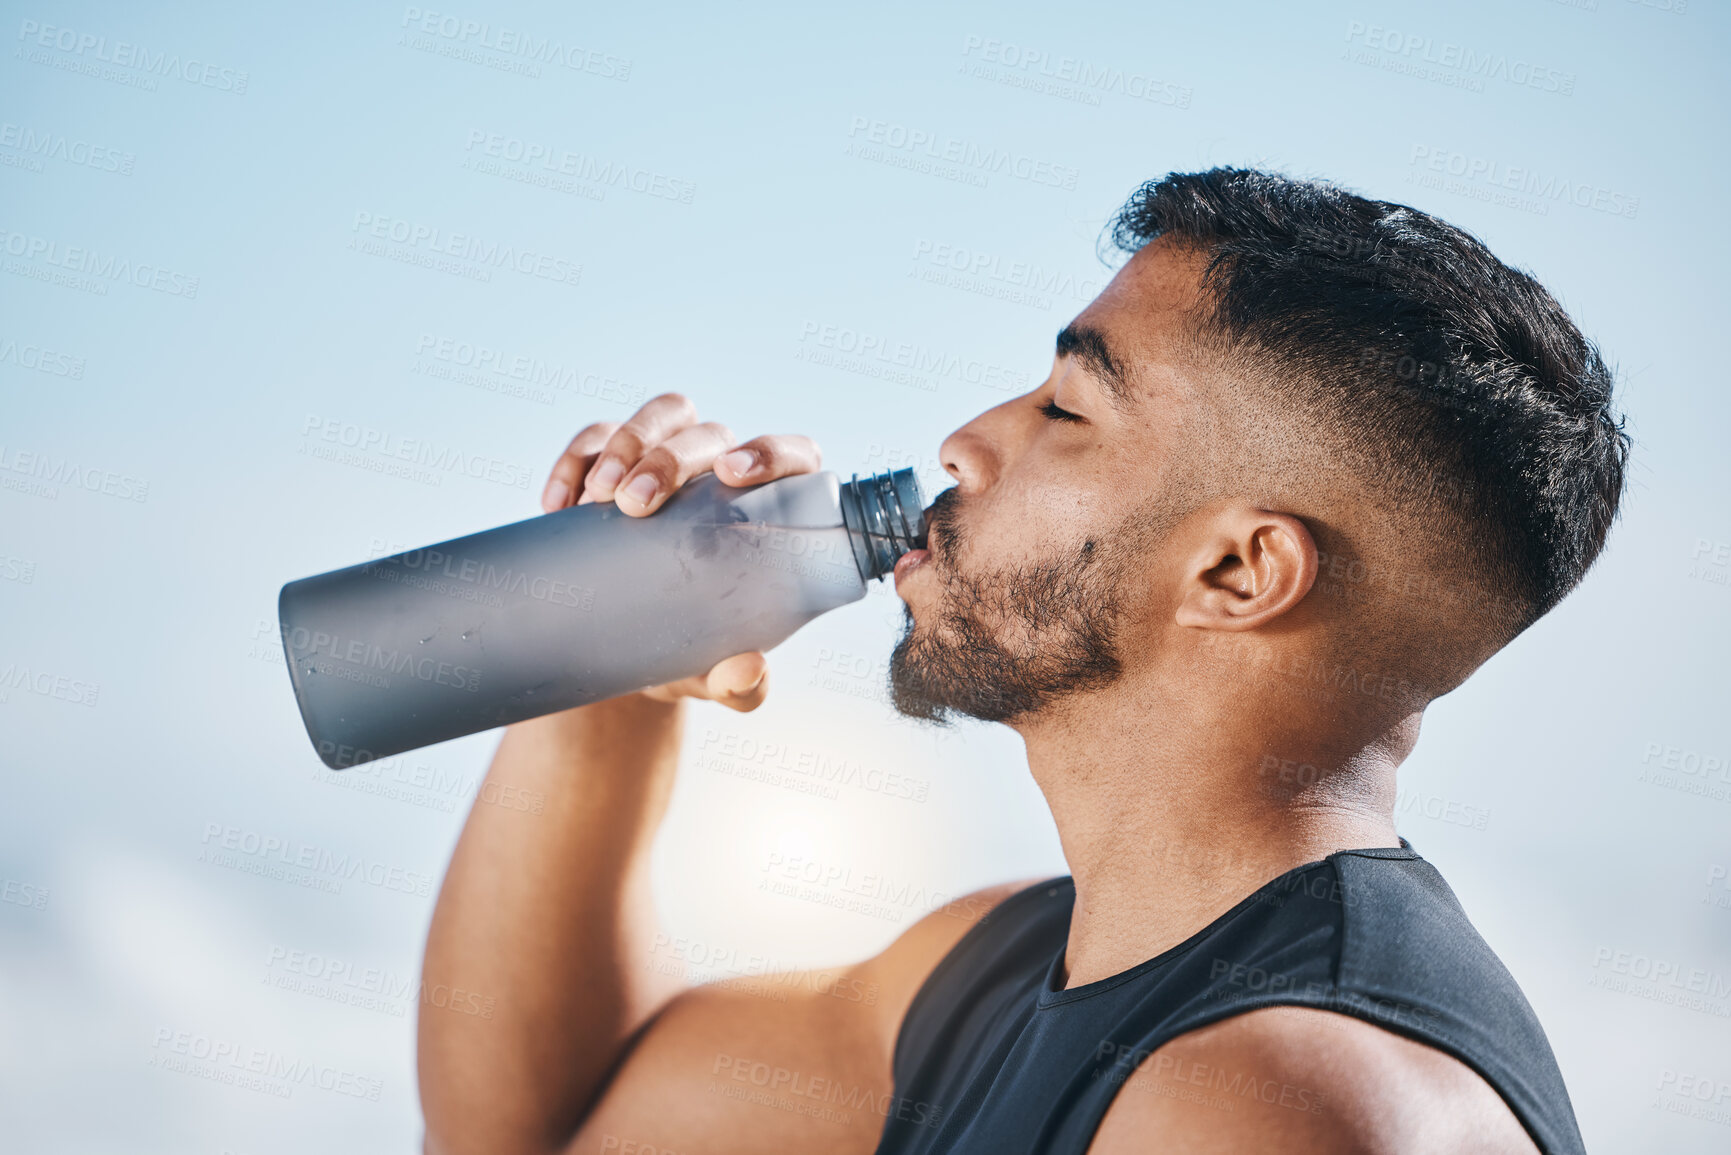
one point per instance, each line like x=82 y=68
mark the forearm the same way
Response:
x=547 y=915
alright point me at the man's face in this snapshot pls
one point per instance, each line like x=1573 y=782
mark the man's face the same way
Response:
x=1044 y=557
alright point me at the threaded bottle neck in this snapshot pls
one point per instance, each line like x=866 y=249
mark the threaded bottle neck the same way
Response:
x=885 y=515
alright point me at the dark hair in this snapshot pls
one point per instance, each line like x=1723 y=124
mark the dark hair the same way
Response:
x=1425 y=350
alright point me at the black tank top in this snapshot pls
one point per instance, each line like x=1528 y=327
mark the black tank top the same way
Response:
x=993 y=1058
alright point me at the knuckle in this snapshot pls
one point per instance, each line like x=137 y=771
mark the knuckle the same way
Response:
x=767 y=448
x=674 y=402
x=660 y=461
x=626 y=443
x=805 y=448
x=789 y=451
x=588 y=440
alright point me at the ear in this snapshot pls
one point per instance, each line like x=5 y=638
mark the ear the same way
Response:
x=1250 y=567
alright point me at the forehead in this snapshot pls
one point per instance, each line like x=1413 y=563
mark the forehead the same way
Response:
x=1144 y=312
x=1151 y=296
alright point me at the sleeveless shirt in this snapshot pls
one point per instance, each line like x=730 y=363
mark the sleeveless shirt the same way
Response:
x=994 y=1058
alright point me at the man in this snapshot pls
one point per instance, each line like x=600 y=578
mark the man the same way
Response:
x=1305 y=463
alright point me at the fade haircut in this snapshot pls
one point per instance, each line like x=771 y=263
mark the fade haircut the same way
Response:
x=1412 y=344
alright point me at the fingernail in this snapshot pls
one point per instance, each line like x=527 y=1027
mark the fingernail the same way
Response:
x=554 y=498
x=642 y=489
x=739 y=462
x=608 y=475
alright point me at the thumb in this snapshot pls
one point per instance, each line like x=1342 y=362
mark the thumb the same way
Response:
x=740 y=682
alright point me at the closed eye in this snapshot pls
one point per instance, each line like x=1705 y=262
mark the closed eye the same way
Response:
x=1050 y=409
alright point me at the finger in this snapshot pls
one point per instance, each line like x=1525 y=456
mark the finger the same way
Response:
x=660 y=418
x=668 y=466
x=568 y=471
x=741 y=678
x=740 y=682
x=769 y=457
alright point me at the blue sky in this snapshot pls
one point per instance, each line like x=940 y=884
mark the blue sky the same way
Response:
x=287 y=288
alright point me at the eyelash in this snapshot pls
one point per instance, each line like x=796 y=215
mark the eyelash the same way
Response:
x=1050 y=409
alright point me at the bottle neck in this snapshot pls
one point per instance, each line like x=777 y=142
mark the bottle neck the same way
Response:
x=885 y=518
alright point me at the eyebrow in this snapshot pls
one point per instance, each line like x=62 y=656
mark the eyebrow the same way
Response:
x=1088 y=345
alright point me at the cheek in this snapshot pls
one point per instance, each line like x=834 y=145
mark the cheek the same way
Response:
x=1063 y=505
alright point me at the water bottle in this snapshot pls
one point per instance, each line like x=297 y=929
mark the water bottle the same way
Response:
x=579 y=605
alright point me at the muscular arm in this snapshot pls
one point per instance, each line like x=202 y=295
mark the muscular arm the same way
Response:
x=549 y=916
x=566 y=1034
x=798 y=1064
x=1296 y=1081
x=546 y=917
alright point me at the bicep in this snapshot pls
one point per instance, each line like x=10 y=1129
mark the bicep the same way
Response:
x=797 y=1062
x=746 y=1066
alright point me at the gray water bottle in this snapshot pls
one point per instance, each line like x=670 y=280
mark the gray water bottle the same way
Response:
x=579 y=605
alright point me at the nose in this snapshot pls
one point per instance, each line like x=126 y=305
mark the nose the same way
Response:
x=974 y=454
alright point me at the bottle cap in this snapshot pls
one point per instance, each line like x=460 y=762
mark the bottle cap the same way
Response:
x=885 y=515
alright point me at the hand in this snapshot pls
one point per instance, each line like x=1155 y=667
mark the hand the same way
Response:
x=641 y=463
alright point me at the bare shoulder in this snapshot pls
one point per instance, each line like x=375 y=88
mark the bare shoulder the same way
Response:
x=796 y=1061
x=905 y=964
x=1297 y=1081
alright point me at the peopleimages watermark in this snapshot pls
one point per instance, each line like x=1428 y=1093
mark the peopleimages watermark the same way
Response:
x=460 y=38
x=1710 y=561
x=874 y=355
x=627 y=1146
x=416 y=458
x=990 y=275
x=1446 y=62
x=290 y=860
x=367 y=655
x=871 y=893
x=460 y=254
x=41 y=359
x=419 y=783
x=17 y=569
x=880 y=457
x=554 y=161
x=1661 y=980
x=1234 y=1086
x=321 y=976
x=1065 y=77
x=1705 y=775
x=481 y=581
x=1440 y=809
x=46 y=473
x=697 y=961
x=517 y=374
x=1485 y=178
x=31 y=146
x=926 y=151
x=746 y=757
x=253 y=1068
x=814 y=1096
x=1251 y=982
x=18 y=676
x=1718 y=887
x=122 y=62
x=1695 y=1095
x=89 y=270
x=26 y=894
x=1315 y=677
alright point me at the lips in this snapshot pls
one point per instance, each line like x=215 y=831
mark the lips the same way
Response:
x=915 y=558
x=908 y=563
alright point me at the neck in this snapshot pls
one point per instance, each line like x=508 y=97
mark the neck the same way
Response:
x=1172 y=808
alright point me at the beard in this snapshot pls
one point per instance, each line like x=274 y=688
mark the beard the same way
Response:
x=1007 y=643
